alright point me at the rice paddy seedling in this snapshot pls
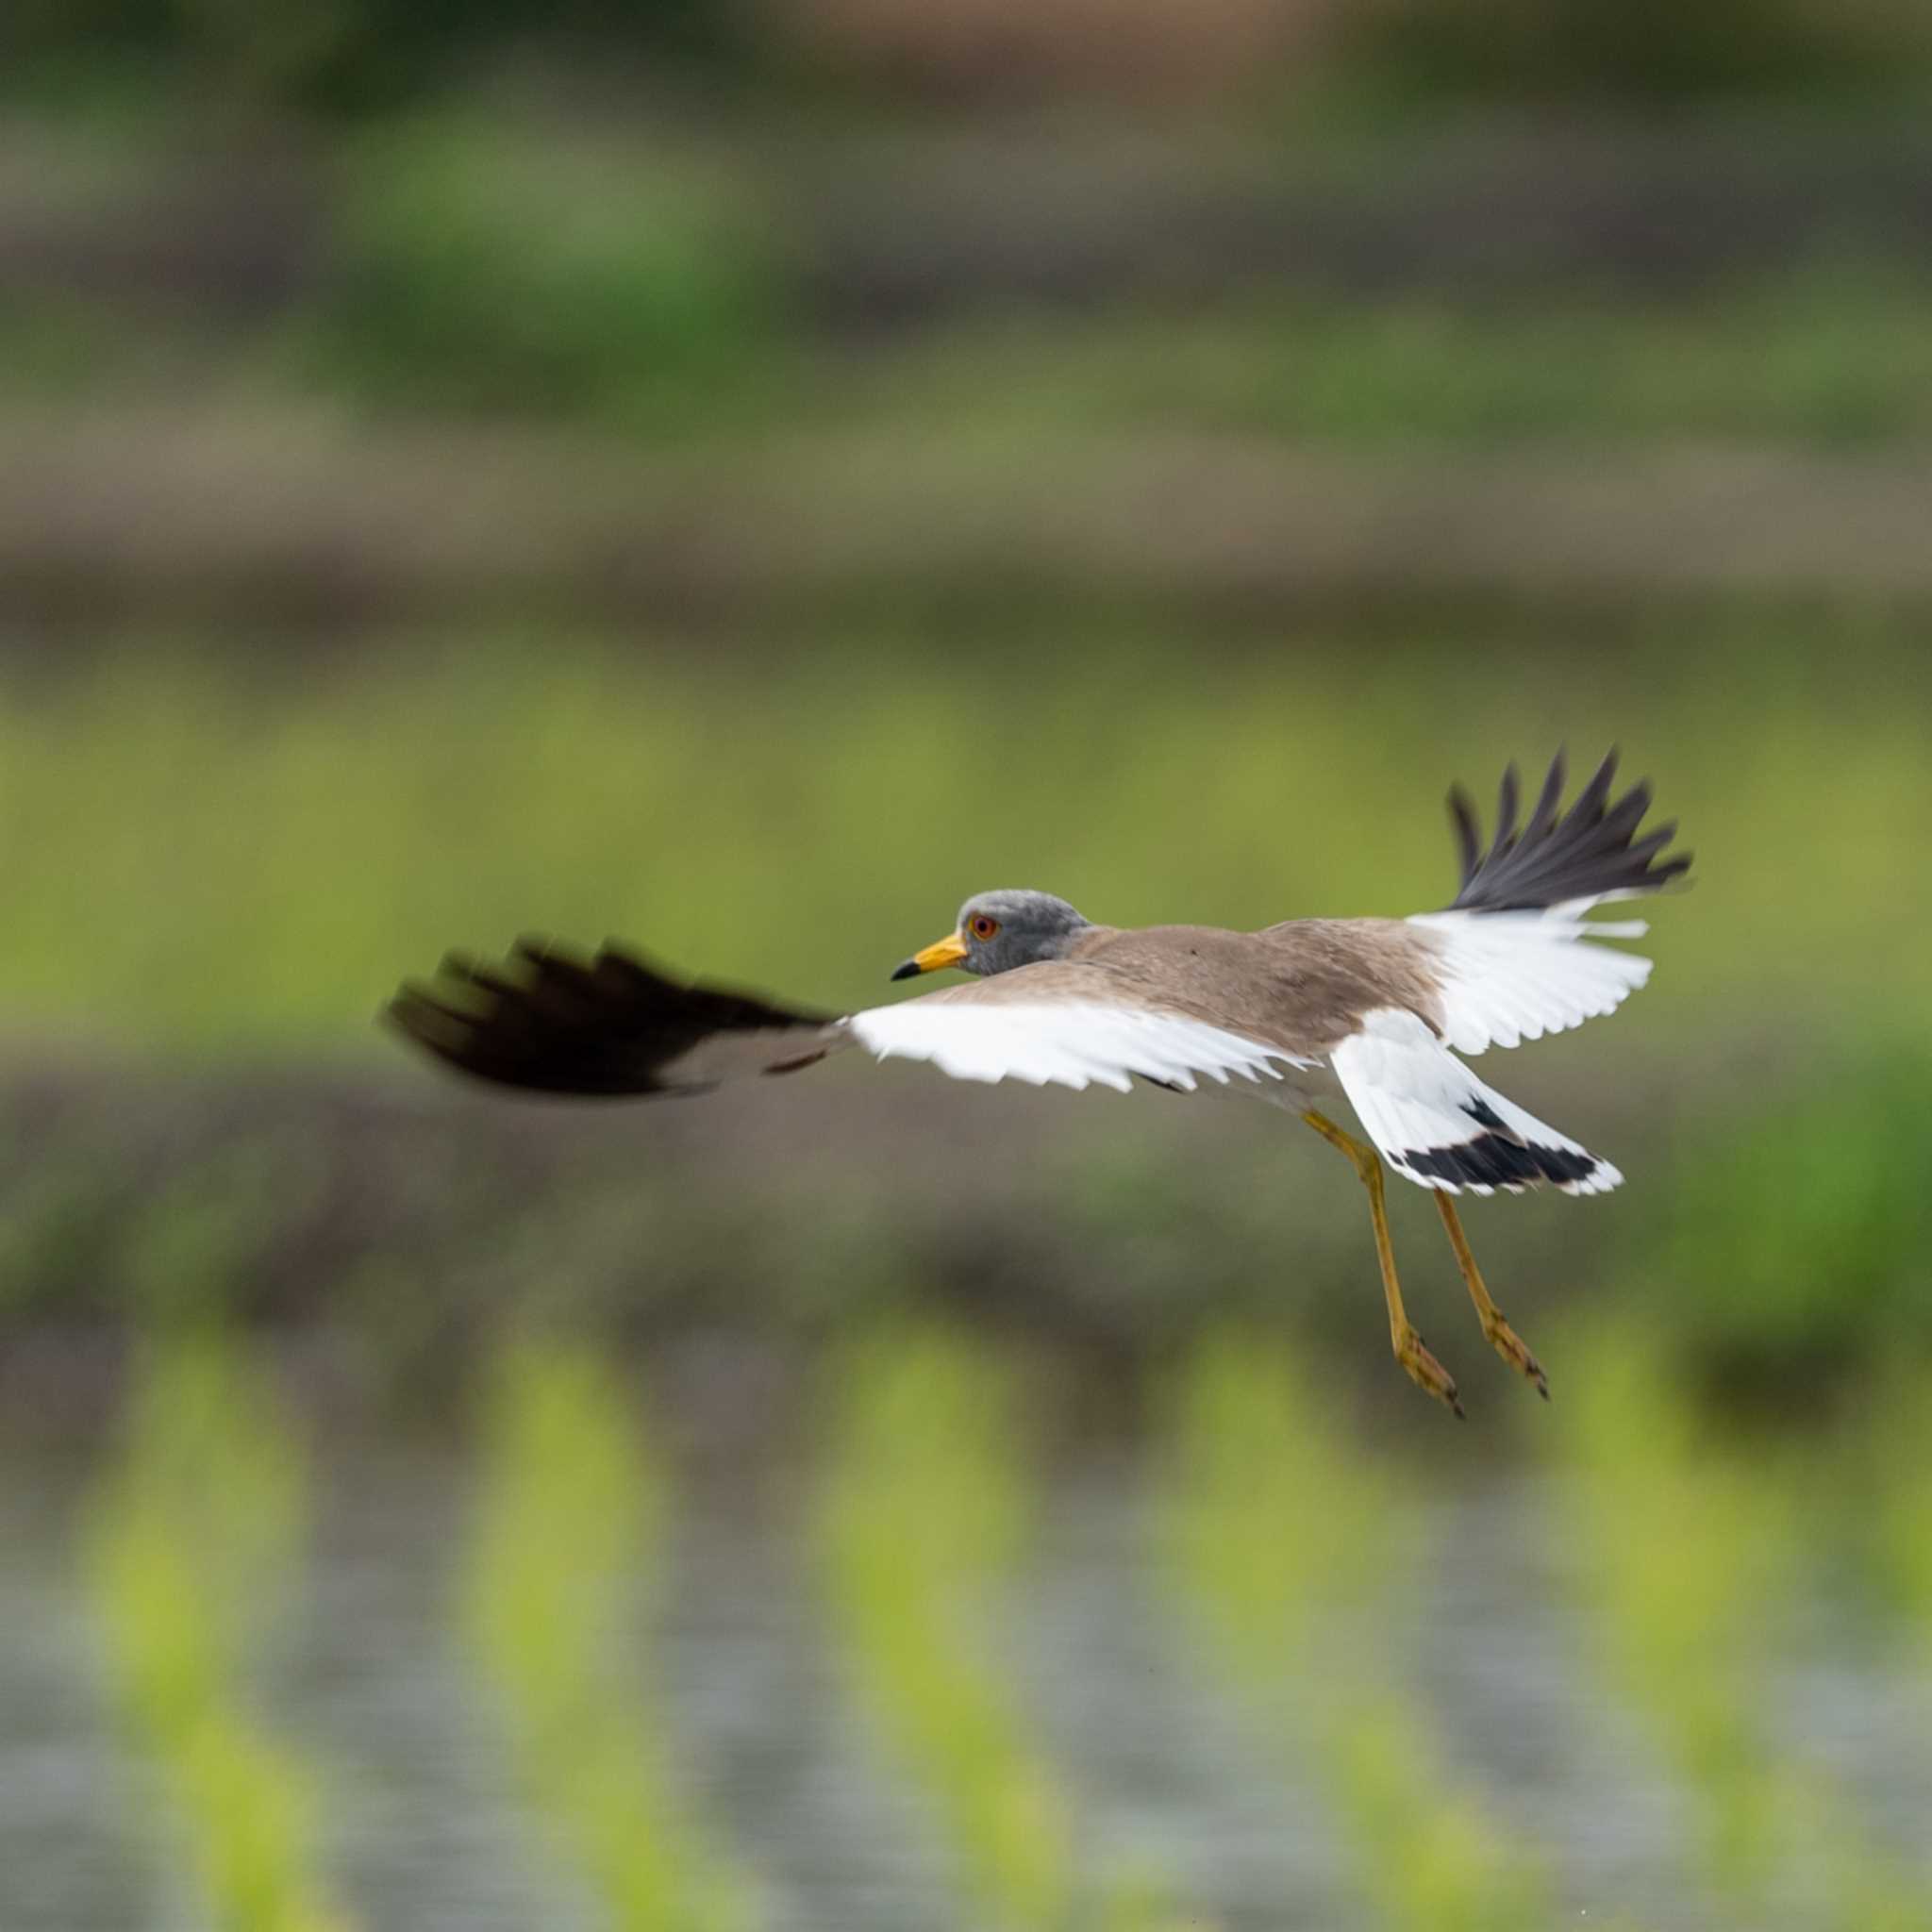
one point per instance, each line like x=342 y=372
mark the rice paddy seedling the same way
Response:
x=1288 y=1545
x=570 y=1530
x=1688 y=1558
x=192 y=1537
x=1905 y=1493
x=924 y=1509
x=1881 y=1454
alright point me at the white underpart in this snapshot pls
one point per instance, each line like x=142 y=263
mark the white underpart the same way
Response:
x=1511 y=977
x=1412 y=1094
x=1067 y=1042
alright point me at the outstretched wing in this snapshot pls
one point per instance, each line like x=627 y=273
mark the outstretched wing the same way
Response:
x=551 y=1022
x=1062 y=1024
x=1514 y=958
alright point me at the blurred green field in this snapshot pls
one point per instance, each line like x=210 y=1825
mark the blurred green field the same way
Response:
x=1834 y=359
x=670 y=286
x=633 y=337
x=737 y=478
x=1286 y=1571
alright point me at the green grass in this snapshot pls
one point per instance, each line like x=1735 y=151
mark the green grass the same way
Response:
x=195 y=1535
x=571 y=1526
x=1765 y=1254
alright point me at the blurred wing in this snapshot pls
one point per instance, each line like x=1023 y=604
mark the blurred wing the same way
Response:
x=551 y=1022
x=1069 y=1042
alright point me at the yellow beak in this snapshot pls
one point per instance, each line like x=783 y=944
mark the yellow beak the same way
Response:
x=934 y=959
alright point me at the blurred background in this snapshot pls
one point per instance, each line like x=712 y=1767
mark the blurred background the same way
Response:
x=740 y=476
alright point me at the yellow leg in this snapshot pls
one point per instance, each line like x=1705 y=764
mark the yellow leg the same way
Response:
x=1422 y=1368
x=1502 y=1338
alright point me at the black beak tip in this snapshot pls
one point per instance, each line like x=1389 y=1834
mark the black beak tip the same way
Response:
x=907 y=969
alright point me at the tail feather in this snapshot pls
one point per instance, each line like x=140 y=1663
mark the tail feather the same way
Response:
x=1437 y=1125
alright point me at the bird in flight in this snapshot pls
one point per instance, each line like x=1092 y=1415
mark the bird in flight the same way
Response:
x=1377 y=1012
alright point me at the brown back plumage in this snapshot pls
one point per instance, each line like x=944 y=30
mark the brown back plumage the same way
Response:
x=1302 y=985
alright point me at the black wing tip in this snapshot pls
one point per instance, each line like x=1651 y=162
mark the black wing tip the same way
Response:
x=551 y=1019
x=1500 y=1160
x=1589 y=851
x=423 y=1010
x=401 y=1014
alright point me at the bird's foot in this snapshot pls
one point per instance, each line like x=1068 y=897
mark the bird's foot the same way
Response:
x=1425 y=1371
x=1515 y=1350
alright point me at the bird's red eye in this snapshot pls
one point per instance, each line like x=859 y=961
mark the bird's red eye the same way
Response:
x=983 y=927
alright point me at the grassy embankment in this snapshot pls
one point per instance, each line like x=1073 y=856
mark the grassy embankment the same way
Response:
x=651 y=282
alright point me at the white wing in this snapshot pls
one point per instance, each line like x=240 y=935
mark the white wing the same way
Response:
x=1511 y=976
x=1068 y=1043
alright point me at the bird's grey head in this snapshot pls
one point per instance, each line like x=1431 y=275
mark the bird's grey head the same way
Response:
x=998 y=931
